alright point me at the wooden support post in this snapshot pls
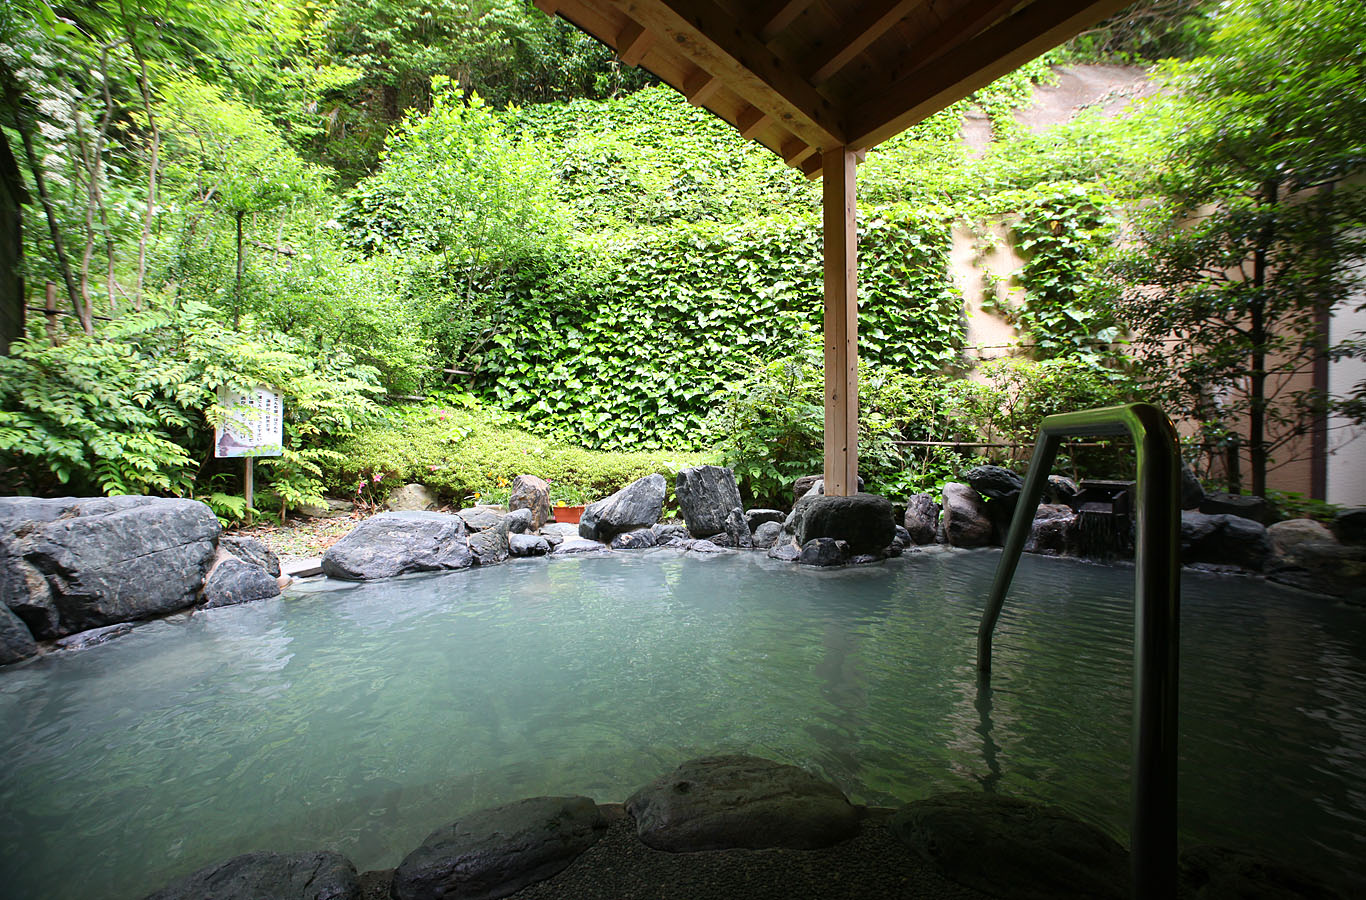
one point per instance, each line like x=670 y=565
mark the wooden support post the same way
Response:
x=249 y=486
x=841 y=321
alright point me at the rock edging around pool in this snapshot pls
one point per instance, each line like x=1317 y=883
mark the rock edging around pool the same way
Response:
x=744 y=812
x=75 y=571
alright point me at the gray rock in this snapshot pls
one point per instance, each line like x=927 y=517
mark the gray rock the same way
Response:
x=249 y=549
x=24 y=591
x=706 y=495
x=276 y=876
x=1053 y=530
x=1060 y=490
x=740 y=802
x=812 y=484
x=481 y=518
x=966 y=523
x=786 y=551
x=720 y=540
x=640 y=539
x=1350 y=525
x=84 y=640
x=523 y=545
x=902 y=540
x=756 y=517
x=1222 y=873
x=638 y=505
x=994 y=482
x=704 y=546
x=767 y=534
x=391 y=544
x=1321 y=567
x=864 y=521
x=410 y=498
x=563 y=529
x=332 y=509
x=107 y=560
x=496 y=852
x=520 y=521
x=922 y=518
x=1244 y=506
x=573 y=545
x=16 y=641
x=530 y=492
x=553 y=538
x=1223 y=540
x=1292 y=533
x=1192 y=494
x=864 y=559
x=665 y=534
x=1013 y=849
x=492 y=545
x=737 y=529
x=232 y=581
x=824 y=551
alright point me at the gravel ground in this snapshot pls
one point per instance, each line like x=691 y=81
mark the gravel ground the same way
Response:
x=872 y=866
x=303 y=538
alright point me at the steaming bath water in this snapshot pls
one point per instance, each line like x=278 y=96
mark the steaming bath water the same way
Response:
x=359 y=718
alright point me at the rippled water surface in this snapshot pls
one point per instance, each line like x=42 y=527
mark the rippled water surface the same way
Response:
x=360 y=718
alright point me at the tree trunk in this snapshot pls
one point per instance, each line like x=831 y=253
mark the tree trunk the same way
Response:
x=145 y=87
x=58 y=245
x=1257 y=332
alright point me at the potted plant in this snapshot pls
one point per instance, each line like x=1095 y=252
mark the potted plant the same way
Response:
x=569 y=506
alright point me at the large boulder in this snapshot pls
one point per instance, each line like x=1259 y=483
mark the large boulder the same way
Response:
x=410 y=498
x=1053 y=531
x=77 y=564
x=530 y=492
x=252 y=550
x=638 y=505
x=922 y=518
x=966 y=523
x=706 y=495
x=737 y=529
x=1223 y=540
x=741 y=802
x=864 y=521
x=766 y=535
x=496 y=852
x=1307 y=555
x=1014 y=849
x=232 y=581
x=391 y=544
x=16 y=641
x=1245 y=506
x=1293 y=533
x=994 y=482
x=809 y=484
x=277 y=876
x=492 y=545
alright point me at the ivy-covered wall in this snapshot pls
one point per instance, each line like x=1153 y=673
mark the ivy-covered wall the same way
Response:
x=639 y=361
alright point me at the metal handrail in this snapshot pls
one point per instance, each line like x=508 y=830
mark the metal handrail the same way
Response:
x=1157 y=595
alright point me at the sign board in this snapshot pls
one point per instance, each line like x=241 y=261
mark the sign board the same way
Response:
x=255 y=424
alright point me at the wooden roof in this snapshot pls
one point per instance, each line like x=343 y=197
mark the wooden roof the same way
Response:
x=803 y=77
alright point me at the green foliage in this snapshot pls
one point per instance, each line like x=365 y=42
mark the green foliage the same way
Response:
x=639 y=362
x=467 y=451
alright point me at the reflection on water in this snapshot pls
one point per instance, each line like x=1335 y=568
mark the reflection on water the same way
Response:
x=359 y=719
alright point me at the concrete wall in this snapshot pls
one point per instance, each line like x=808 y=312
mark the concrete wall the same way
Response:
x=1347 y=442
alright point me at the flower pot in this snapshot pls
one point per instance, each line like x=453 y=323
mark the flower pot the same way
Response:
x=567 y=514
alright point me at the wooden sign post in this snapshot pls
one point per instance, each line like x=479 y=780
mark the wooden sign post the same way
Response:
x=254 y=426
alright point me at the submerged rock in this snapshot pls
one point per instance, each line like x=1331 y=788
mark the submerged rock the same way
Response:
x=863 y=521
x=706 y=496
x=278 y=876
x=530 y=492
x=966 y=523
x=1222 y=873
x=391 y=544
x=730 y=802
x=496 y=852
x=1014 y=849
x=84 y=640
x=638 y=505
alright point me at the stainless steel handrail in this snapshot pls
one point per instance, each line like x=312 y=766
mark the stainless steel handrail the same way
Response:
x=1157 y=596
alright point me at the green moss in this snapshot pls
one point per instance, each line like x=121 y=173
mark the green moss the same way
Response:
x=465 y=450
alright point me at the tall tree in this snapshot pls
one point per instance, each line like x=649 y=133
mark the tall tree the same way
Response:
x=1255 y=235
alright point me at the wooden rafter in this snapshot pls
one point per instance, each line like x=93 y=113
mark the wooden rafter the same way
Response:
x=951 y=32
x=972 y=65
x=869 y=22
x=778 y=16
x=632 y=43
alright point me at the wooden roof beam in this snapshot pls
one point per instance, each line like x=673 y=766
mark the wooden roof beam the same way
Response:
x=549 y=7
x=712 y=38
x=871 y=21
x=1004 y=47
x=751 y=121
x=778 y=16
x=949 y=33
x=700 y=86
x=795 y=151
x=632 y=42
